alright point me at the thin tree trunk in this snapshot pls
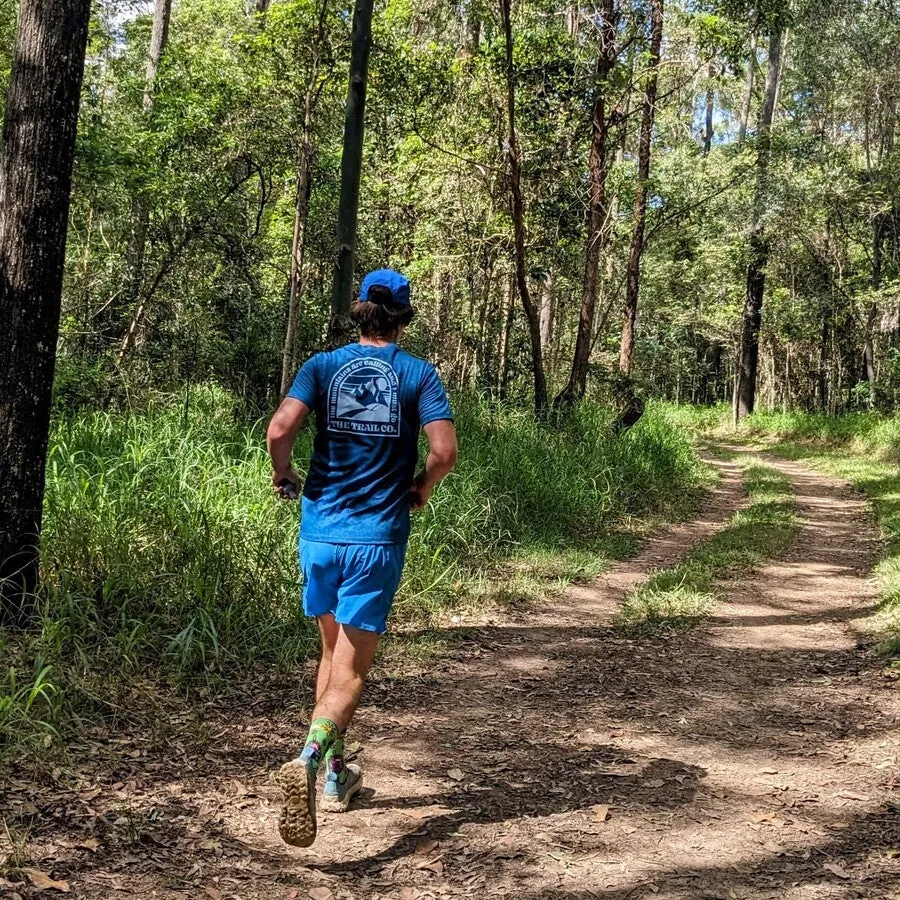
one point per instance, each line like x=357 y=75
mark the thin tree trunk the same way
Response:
x=140 y=206
x=547 y=308
x=822 y=378
x=633 y=274
x=290 y=353
x=36 y=157
x=159 y=37
x=518 y=216
x=748 y=93
x=598 y=218
x=745 y=395
x=710 y=103
x=505 y=336
x=351 y=172
x=480 y=349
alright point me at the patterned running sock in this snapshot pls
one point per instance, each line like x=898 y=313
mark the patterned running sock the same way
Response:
x=322 y=735
x=334 y=759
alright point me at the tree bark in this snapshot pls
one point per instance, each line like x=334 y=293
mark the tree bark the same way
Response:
x=745 y=394
x=710 y=103
x=633 y=273
x=140 y=206
x=598 y=212
x=159 y=37
x=518 y=216
x=748 y=93
x=36 y=159
x=351 y=172
x=290 y=354
x=547 y=309
x=508 y=311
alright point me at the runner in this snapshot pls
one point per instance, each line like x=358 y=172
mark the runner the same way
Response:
x=370 y=401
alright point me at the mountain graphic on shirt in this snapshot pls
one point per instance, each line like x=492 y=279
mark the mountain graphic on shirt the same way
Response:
x=364 y=398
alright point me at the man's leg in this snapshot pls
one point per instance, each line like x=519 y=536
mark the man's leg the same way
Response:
x=352 y=658
x=348 y=664
x=328 y=631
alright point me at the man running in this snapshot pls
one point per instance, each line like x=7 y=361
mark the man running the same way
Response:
x=370 y=400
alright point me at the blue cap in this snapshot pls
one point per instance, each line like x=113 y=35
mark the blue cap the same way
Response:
x=396 y=283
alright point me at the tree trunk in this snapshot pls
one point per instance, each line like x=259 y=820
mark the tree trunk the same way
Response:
x=140 y=206
x=351 y=171
x=159 y=37
x=505 y=336
x=748 y=93
x=36 y=159
x=547 y=309
x=518 y=216
x=290 y=354
x=573 y=14
x=633 y=274
x=710 y=103
x=745 y=394
x=598 y=213
x=822 y=374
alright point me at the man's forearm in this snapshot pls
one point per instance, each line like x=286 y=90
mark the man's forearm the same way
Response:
x=280 y=447
x=437 y=468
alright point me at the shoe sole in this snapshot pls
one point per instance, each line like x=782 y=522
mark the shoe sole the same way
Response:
x=334 y=804
x=297 y=822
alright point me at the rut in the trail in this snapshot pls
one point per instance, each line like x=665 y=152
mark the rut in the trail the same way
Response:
x=553 y=757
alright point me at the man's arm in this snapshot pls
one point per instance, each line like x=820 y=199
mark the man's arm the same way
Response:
x=287 y=421
x=442 y=453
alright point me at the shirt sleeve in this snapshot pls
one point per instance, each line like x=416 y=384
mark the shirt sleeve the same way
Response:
x=433 y=402
x=306 y=385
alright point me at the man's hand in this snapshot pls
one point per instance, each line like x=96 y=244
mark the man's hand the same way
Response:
x=419 y=493
x=286 y=484
x=280 y=435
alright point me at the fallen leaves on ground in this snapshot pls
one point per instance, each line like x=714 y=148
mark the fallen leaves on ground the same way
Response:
x=43 y=882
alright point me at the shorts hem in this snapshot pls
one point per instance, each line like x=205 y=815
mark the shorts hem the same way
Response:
x=363 y=627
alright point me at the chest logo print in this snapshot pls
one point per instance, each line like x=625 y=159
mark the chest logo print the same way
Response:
x=364 y=398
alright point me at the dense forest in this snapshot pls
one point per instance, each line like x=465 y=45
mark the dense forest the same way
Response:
x=666 y=162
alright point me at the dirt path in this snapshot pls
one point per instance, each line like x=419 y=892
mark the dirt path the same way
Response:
x=552 y=757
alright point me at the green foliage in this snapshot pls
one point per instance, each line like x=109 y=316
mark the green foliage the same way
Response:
x=28 y=703
x=682 y=595
x=161 y=535
x=165 y=551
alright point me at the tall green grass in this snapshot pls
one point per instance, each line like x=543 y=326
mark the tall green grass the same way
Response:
x=165 y=550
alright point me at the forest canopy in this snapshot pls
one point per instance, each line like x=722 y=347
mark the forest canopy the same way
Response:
x=191 y=169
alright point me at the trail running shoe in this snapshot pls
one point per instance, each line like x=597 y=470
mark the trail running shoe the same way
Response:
x=297 y=822
x=336 y=797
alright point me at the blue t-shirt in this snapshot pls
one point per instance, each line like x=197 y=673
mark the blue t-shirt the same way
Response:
x=370 y=403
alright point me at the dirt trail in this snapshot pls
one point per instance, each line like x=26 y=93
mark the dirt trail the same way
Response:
x=552 y=757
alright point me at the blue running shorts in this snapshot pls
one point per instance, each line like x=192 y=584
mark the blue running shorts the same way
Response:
x=355 y=582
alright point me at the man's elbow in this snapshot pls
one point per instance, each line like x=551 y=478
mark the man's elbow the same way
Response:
x=447 y=456
x=278 y=430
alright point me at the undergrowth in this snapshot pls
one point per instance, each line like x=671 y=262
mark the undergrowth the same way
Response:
x=165 y=553
x=682 y=595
